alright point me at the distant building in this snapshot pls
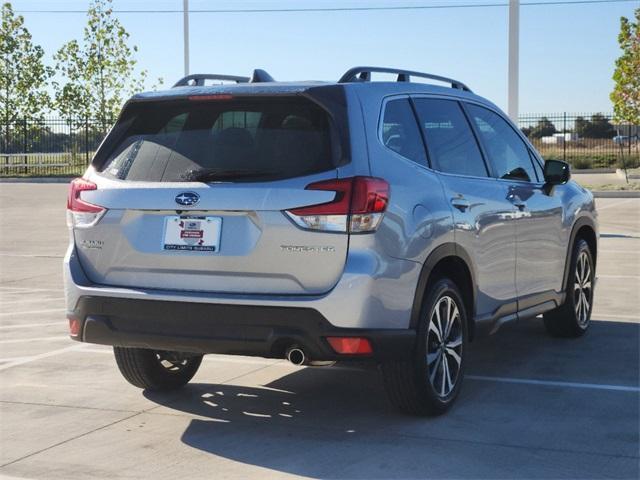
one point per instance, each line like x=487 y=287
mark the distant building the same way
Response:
x=560 y=138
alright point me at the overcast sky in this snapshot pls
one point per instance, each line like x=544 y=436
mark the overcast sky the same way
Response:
x=566 y=64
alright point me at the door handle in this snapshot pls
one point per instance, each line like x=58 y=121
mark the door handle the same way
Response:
x=517 y=202
x=460 y=203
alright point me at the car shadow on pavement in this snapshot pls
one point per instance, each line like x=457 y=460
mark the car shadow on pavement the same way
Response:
x=336 y=421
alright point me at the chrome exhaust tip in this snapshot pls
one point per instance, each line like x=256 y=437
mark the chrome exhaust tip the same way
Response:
x=296 y=355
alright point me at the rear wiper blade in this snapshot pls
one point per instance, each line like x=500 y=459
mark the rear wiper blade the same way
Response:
x=208 y=174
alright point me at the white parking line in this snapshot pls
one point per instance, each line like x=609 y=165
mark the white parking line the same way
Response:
x=22 y=255
x=276 y=362
x=31 y=312
x=6 y=289
x=552 y=383
x=15 y=359
x=34 y=339
x=615 y=204
x=4 y=303
x=604 y=316
x=212 y=357
x=617 y=276
x=623 y=252
x=23 y=361
x=33 y=325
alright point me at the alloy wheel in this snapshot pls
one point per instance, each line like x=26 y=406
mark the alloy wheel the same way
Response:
x=172 y=361
x=582 y=289
x=444 y=346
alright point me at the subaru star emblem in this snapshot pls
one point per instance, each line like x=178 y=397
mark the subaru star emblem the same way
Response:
x=187 y=198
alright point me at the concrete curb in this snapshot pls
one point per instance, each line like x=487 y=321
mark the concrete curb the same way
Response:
x=592 y=171
x=36 y=179
x=631 y=176
x=617 y=194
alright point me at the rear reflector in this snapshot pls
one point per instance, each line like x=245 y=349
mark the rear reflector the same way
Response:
x=358 y=206
x=74 y=326
x=79 y=212
x=350 y=345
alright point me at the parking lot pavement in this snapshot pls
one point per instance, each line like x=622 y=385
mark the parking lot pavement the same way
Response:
x=531 y=406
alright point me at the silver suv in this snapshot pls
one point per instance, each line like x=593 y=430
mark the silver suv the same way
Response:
x=392 y=220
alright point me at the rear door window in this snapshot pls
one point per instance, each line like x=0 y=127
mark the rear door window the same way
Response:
x=450 y=142
x=400 y=132
x=222 y=140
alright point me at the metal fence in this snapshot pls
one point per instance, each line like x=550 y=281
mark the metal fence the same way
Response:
x=585 y=140
x=49 y=147
x=64 y=147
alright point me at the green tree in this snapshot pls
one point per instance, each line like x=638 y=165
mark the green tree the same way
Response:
x=23 y=75
x=580 y=126
x=100 y=72
x=598 y=126
x=626 y=94
x=544 y=128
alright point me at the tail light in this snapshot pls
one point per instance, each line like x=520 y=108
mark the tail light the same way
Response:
x=74 y=326
x=79 y=212
x=358 y=206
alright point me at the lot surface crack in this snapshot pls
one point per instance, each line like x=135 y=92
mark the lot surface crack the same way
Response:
x=75 y=437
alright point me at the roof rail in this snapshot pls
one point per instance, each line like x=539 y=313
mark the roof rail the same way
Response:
x=197 y=79
x=363 y=74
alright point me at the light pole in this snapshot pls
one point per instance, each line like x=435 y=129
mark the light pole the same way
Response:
x=514 y=54
x=185 y=19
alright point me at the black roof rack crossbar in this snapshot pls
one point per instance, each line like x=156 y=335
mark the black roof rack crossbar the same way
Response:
x=363 y=74
x=197 y=79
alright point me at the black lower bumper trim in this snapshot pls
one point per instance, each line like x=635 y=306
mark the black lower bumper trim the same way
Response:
x=224 y=328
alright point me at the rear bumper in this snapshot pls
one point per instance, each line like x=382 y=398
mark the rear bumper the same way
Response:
x=374 y=292
x=225 y=328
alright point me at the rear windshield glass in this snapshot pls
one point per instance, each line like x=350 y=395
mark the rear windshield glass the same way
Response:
x=221 y=139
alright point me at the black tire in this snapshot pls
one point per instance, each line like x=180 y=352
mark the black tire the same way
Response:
x=570 y=319
x=412 y=386
x=156 y=370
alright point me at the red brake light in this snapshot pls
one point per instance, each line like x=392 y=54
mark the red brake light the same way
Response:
x=353 y=195
x=370 y=195
x=74 y=202
x=79 y=212
x=338 y=206
x=357 y=207
x=210 y=97
x=74 y=326
x=350 y=345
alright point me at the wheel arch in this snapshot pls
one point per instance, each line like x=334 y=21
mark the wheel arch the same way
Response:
x=583 y=227
x=450 y=259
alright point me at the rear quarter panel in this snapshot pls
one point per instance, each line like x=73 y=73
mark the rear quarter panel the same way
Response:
x=418 y=218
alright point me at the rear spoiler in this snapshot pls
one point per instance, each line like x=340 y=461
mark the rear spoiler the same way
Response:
x=198 y=79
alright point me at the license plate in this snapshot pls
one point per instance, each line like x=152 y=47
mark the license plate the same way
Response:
x=190 y=233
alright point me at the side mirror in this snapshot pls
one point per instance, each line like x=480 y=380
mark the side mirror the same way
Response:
x=556 y=172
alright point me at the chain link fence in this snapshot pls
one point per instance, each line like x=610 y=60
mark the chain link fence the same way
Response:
x=64 y=147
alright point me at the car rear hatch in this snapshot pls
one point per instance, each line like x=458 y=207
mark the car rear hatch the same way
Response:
x=191 y=194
